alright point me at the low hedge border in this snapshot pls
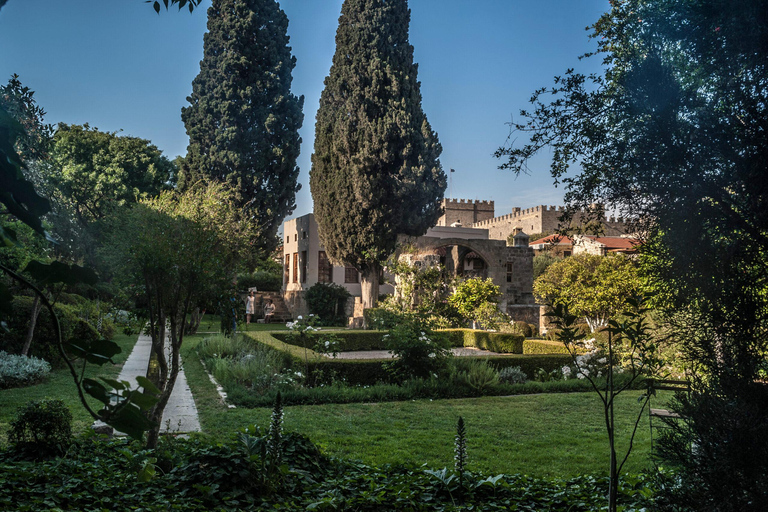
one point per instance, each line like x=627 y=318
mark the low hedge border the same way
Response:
x=366 y=372
x=501 y=342
x=543 y=347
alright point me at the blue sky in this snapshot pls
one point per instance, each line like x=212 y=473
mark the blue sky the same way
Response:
x=117 y=65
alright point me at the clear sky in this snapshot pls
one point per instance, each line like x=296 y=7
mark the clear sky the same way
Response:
x=117 y=65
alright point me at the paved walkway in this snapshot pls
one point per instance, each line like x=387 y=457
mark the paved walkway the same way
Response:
x=180 y=414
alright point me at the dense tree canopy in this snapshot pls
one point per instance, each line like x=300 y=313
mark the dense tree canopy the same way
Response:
x=375 y=170
x=242 y=120
x=177 y=248
x=593 y=287
x=675 y=133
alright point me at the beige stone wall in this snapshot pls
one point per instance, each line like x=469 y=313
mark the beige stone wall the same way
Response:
x=540 y=219
x=465 y=211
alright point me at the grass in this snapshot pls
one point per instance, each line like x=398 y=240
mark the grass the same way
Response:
x=59 y=384
x=548 y=435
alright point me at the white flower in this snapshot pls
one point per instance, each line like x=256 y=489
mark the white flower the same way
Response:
x=602 y=360
x=579 y=376
x=327 y=344
x=566 y=371
x=300 y=317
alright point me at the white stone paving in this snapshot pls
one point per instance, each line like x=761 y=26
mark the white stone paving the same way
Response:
x=180 y=414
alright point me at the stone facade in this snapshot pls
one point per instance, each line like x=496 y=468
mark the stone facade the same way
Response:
x=465 y=212
x=510 y=268
x=541 y=219
x=305 y=263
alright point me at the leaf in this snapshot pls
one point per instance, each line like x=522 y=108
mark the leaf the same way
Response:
x=157 y=7
x=58 y=272
x=128 y=418
x=96 y=390
x=148 y=385
x=144 y=400
x=98 y=352
x=117 y=385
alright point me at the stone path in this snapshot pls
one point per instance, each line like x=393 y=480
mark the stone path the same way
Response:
x=180 y=415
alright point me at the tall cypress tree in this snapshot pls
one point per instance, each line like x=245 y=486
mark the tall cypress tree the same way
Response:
x=375 y=170
x=242 y=120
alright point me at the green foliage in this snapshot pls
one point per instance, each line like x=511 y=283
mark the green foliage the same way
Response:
x=593 y=287
x=541 y=262
x=73 y=328
x=512 y=375
x=524 y=329
x=327 y=301
x=18 y=370
x=243 y=120
x=375 y=170
x=41 y=429
x=543 y=347
x=460 y=449
x=381 y=318
x=263 y=281
x=480 y=375
x=475 y=299
x=417 y=351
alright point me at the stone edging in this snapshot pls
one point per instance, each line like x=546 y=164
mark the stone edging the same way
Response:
x=219 y=387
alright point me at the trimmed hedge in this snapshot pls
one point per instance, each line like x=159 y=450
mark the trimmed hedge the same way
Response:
x=543 y=347
x=348 y=340
x=366 y=372
x=502 y=342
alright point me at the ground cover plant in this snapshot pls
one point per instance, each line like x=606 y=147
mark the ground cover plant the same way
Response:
x=97 y=474
x=58 y=384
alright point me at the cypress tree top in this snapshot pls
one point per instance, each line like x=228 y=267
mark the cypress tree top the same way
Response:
x=242 y=120
x=375 y=171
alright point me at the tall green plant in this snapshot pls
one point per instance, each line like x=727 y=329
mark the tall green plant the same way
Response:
x=375 y=169
x=631 y=335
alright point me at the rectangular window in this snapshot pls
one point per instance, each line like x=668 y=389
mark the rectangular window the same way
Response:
x=303 y=266
x=509 y=272
x=324 y=268
x=287 y=269
x=295 y=267
x=351 y=275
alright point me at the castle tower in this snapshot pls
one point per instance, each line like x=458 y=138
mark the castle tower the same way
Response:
x=465 y=212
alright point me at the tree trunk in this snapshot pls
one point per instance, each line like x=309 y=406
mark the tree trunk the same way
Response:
x=369 y=285
x=36 y=306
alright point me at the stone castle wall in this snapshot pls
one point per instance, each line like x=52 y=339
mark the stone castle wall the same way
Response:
x=540 y=219
x=465 y=211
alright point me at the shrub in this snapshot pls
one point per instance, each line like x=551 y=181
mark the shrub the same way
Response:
x=502 y=342
x=44 y=344
x=327 y=302
x=524 y=329
x=263 y=281
x=418 y=352
x=512 y=375
x=18 y=370
x=381 y=318
x=42 y=429
x=480 y=375
x=543 y=347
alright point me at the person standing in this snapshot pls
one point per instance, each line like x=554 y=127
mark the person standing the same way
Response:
x=250 y=304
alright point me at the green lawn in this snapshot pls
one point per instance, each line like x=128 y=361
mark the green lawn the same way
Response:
x=558 y=435
x=540 y=435
x=60 y=384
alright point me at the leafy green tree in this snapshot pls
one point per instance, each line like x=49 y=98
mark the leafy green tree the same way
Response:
x=375 y=170
x=178 y=248
x=19 y=101
x=541 y=262
x=243 y=122
x=593 y=287
x=673 y=133
x=476 y=299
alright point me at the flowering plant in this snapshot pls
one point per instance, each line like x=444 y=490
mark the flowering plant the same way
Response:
x=417 y=351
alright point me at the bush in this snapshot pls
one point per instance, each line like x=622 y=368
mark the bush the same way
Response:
x=480 y=375
x=501 y=342
x=44 y=344
x=17 y=370
x=419 y=353
x=524 y=329
x=263 y=281
x=41 y=429
x=543 y=347
x=348 y=340
x=381 y=319
x=327 y=301
x=512 y=375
